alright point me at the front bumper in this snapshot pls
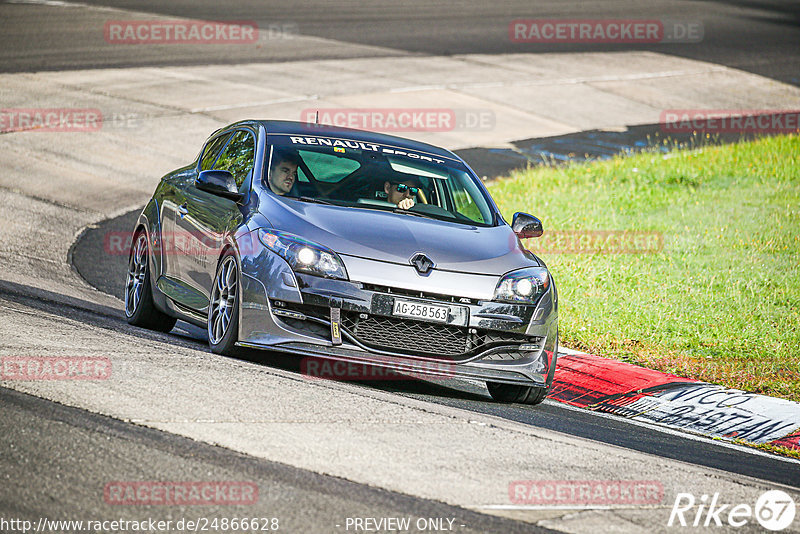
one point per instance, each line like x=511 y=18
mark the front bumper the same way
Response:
x=483 y=340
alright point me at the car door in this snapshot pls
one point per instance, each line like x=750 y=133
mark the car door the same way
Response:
x=173 y=204
x=204 y=219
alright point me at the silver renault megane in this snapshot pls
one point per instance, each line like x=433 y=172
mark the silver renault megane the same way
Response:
x=346 y=245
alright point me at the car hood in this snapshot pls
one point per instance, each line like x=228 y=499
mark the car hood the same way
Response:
x=391 y=237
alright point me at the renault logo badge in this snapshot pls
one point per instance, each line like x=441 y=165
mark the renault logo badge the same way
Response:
x=422 y=263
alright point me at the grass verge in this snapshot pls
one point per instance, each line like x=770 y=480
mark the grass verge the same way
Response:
x=720 y=300
x=768 y=447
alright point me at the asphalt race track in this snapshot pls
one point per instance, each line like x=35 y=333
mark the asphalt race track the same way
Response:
x=321 y=452
x=306 y=501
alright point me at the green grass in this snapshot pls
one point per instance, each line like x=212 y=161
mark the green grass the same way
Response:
x=721 y=301
x=775 y=449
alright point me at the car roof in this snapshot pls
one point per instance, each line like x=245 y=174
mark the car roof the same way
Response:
x=316 y=130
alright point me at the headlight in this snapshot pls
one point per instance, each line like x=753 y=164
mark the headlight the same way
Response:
x=302 y=255
x=524 y=285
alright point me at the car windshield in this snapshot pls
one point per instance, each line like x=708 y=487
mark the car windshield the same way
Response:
x=373 y=176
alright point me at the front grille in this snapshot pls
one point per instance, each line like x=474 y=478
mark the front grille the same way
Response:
x=504 y=356
x=407 y=336
x=532 y=345
x=424 y=338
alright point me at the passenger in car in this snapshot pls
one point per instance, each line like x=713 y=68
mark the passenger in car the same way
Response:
x=283 y=171
x=402 y=193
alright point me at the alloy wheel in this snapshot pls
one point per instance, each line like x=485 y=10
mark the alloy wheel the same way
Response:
x=223 y=300
x=137 y=271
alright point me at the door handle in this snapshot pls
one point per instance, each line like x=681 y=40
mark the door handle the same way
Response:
x=183 y=211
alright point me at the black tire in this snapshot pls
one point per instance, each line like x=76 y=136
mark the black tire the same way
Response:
x=223 y=333
x=515 y=393
x=140 y=310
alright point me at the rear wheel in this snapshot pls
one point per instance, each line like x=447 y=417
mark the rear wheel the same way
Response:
x=139 y=306
x=223 y=310
x=515 y=393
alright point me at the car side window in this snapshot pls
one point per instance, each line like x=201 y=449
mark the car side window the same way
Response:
x=212 y=151
x=237 y=158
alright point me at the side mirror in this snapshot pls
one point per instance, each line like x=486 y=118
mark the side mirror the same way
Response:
x=526 y=226
x=220 y=183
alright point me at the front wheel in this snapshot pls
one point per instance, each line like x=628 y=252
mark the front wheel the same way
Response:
x=140 y=310
x=515 y=393
x=223 y=310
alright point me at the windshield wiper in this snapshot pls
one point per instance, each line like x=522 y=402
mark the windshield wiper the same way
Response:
x=315 y=200
x=415 y=214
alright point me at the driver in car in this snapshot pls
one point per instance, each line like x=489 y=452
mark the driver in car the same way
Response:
x=402 y=193
x=283 y=171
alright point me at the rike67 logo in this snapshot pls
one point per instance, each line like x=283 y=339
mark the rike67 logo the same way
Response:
x=774 y=510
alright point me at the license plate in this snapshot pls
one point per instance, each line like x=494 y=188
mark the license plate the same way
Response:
x=420 y=310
